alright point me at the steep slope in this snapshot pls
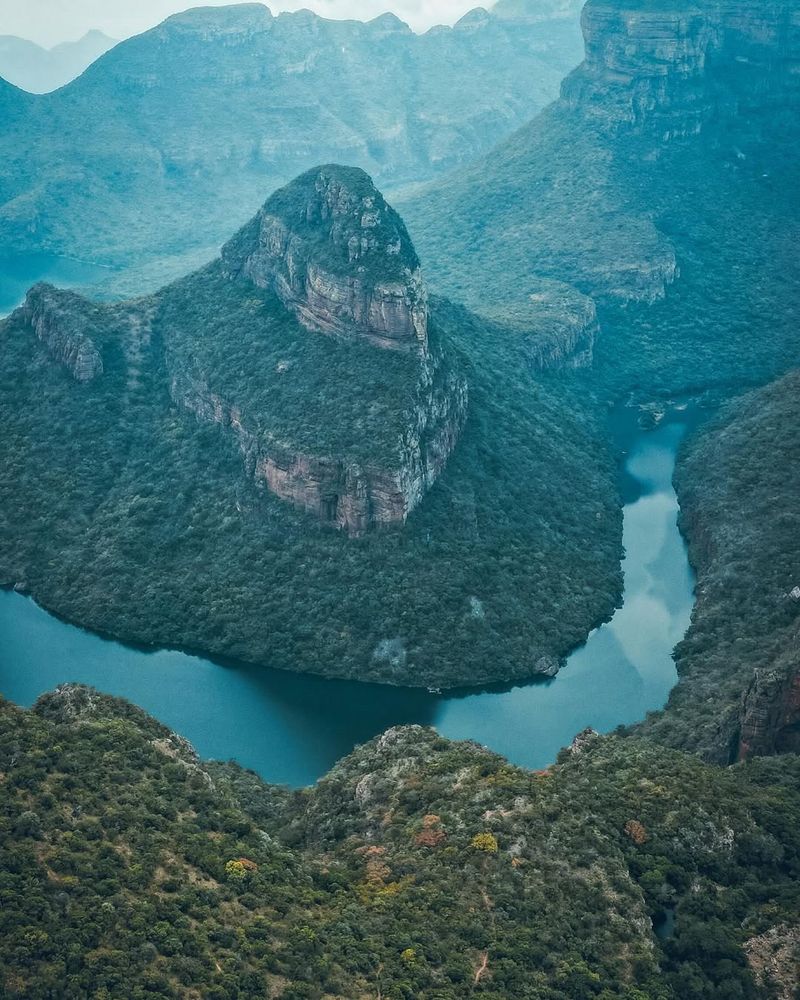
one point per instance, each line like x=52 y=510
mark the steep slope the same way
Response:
x=739 y=690
x=417 y=868
x=652 y=186
x=169 y=141
x=173 y=463
x=37 y=70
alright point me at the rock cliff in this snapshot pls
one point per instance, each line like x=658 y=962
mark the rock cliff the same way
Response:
x=340 y=491
x=770 y=712
x=59 y=321
x=671 y=68
x=338 y=256
x=330 y=252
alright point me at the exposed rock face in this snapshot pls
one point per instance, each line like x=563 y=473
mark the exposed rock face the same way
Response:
x=774 y=958
x=673 y=69
x=339 y=257
x=340 y=260
x=347 y=494
x=770 y=714
x=53 y=316
x=559 y=324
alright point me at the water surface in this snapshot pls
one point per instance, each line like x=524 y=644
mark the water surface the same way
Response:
x=20 y=271
x=291 y=728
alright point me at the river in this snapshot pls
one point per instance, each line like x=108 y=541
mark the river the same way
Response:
x=291 y=727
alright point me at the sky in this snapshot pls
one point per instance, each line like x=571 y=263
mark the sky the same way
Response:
x=49 y=22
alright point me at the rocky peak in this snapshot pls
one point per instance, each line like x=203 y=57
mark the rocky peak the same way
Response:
x=338 y=256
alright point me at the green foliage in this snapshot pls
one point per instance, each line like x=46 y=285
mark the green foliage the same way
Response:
x=179 y=134
x=738 y=480
x=122 y=886
x=583 y=196
x=121 y=510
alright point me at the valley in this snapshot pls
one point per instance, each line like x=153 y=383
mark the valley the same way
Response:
x=293 y=729
x=401 y=589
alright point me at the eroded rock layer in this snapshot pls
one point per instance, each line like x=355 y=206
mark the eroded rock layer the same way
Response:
x=338 y=256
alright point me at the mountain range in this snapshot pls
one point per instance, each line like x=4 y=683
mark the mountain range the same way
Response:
x=171 y=140
x=37 y=70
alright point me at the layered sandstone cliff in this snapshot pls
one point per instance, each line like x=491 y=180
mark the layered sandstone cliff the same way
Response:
x=58 y=318
x=339 y=490
x=338 y=256
x=331 y=253
x=673 y=67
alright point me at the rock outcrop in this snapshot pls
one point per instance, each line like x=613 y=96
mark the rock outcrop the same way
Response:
x=338 y=256
x=344 y=493
x=674 y=67
x=770 y=712
x=339 y=259
x=58 y=318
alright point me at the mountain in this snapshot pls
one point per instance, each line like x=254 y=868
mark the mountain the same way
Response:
x=652 y=186
x=177 y=466
x=133 y=868
x=38 y=70
x=168 y=141
x=739 y=681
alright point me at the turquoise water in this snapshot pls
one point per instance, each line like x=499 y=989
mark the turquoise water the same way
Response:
x=19 y=272
x=291 y=728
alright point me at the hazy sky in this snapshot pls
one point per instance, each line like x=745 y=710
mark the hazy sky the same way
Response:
x=51 y=21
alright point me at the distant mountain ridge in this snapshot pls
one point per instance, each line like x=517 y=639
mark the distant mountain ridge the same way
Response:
x=39 y=70
x=172 y=138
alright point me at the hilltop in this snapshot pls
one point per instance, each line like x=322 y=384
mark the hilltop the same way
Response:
x=295 y=456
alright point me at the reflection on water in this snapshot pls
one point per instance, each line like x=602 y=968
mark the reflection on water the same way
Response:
x=292 y=728
x=625 y=669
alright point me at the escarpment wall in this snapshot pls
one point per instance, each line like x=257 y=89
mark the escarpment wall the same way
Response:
x=60 y=325
x=770 y=710
x=674 y=69
x=349 y=495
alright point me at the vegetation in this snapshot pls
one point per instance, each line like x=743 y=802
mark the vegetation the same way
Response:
x=132 y=869
x=121 y=511
x=626 y=217
x=173 y=138
x=737 y=481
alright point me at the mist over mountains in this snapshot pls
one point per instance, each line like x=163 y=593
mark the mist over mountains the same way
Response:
x=175 y=136
x=451 y=438
x=39 y=70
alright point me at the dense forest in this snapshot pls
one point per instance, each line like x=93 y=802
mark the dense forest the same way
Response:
x=121 y=511
x=133 y=869
x=737 y=481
